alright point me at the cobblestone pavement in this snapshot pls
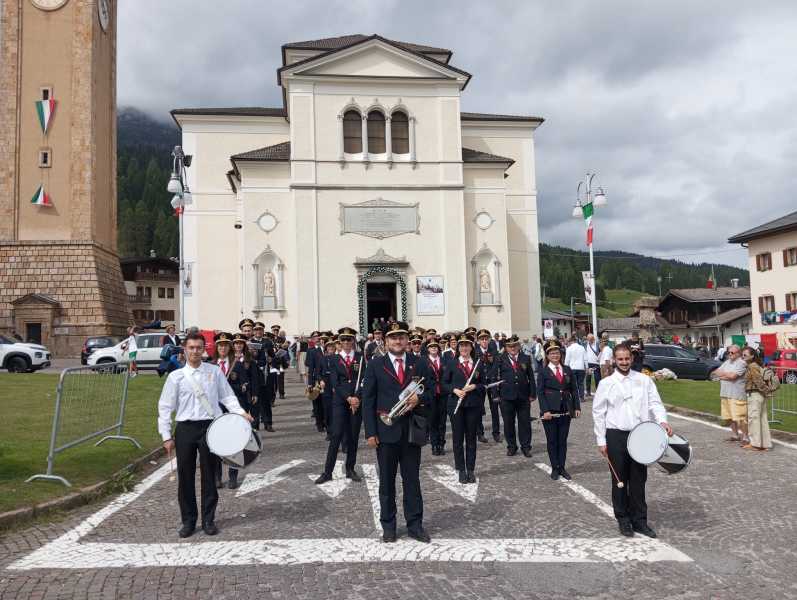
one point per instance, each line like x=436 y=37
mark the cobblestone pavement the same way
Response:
x=725 y=530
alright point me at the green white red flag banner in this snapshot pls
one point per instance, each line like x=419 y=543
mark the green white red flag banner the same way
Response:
x=45 y=109
x=587 y=210
x=41 y=198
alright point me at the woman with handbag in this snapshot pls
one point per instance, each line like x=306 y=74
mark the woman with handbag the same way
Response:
x=464 y=382
x=758 y=391
x=559 y=402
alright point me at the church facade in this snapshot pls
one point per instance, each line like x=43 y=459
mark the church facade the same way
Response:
x=369 y=194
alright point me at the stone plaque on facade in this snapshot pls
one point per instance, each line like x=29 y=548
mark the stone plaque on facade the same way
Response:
x=379 y=218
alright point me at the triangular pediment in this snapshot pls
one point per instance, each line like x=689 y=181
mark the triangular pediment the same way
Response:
x=375 y=58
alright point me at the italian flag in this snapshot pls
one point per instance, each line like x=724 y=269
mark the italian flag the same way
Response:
x=45 y=110
x=587 y=210
x=41 y=197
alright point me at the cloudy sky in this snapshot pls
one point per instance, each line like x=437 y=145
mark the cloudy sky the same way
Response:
x=686 y=110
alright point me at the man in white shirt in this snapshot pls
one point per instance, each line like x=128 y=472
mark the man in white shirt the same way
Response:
x=193 y=393
x=576 y=359
x=622 y=401
x=605 y=360
x=593 y=369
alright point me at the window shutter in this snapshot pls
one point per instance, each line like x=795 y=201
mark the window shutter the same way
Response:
x=786 y=258
x=758 y=263
x=761 y=304
x=788 y=302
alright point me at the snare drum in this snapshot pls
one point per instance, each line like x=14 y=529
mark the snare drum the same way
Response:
x=231 y=438
x=648 y=443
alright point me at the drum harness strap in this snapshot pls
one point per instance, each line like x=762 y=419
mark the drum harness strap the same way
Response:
x=200 y=393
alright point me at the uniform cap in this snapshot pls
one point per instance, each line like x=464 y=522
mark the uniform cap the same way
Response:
x=244 y=322
x=397 y=328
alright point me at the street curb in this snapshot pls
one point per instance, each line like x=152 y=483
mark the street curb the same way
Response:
x=80 y=497
x=784 y=436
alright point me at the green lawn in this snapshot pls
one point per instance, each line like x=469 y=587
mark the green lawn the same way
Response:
x=704 y=396
x=554 y=304
x=622 y=301
x=26 y=410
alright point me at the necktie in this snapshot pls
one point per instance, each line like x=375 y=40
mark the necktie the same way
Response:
x=436 y=365
x=559 y=377
x=224 y=367
x=514 y=362
x=467 y=367
x=348 y=360
x=400 y=370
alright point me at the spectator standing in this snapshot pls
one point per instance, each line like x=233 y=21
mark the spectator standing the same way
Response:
x=593 y=365
x=131 y=347
x=637 y=352
x=757 y=394
x=721 y=353
x=576 y=359
x=605 y=360
x=538 y=353
x=171 y=338
x=733 y=397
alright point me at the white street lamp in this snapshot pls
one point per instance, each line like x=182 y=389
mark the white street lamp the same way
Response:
x=178 y=185
x=584 y=209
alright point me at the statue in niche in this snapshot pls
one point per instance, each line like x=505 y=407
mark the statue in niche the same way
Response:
x=269 y=284
x=484 y=281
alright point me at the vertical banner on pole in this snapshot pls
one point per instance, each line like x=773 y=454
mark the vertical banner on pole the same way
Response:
x=589 y=288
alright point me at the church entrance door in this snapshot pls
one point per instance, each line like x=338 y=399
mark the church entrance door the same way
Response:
x=380 y=301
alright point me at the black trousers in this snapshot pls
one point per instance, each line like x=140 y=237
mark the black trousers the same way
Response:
x=517 y=410
x=495 y=416
x=322 y=410
x=437 y=420
x=281 y=384
x=189 y=439
x=596 y=375
x=407 y=458
x=556 y=432
x=464 y=427
x=346 y=429
x=629 y=501
x=272 y=384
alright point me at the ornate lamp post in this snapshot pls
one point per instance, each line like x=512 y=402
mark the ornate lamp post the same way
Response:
x=585 y=208
x=178 y=185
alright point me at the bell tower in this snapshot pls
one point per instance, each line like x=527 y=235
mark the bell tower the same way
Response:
x=60 y=279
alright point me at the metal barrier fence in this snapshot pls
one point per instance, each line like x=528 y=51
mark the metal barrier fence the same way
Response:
x=785 y=399
x=90 y=401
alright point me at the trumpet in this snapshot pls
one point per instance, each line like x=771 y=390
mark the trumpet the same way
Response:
x=400 y=408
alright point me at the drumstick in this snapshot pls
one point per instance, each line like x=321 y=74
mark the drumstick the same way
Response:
x=620 y=484
x=171 y=466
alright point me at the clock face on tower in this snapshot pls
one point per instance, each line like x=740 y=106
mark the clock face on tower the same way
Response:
x=104 y=13
x=48 y=4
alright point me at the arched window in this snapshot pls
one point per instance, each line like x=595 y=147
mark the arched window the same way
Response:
x=400 y=132
x=376 y=132
x=352 y=132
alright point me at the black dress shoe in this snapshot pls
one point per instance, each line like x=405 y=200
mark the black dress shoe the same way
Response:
x=471 y=477
x=352 y=474
x=564 y=473
x=210 y=529
x=527 y=452
x=323 y=479
x=554 y=474
x=420 y=535
x=626 y=528
x=463 y=477
x=442 y=450
x=269 y=428
x=483 y=439
x=186 y=531
x=498 y=438
x=511 y=451
x=329 y=437
x=389 y=537
x=644 y=529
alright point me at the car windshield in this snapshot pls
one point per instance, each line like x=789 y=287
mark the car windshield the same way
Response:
x=5 y=340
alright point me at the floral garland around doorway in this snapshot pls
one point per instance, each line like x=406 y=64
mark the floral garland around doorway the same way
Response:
x=372 y=271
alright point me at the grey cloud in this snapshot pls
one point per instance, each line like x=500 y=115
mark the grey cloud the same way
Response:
x=685 y=109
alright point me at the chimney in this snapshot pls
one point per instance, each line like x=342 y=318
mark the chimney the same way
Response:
x=734 y=283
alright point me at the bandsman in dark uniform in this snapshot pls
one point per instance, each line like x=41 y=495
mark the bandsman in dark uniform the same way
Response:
x=416 y=340
x=385 y=378
x=245 y=382
x=465 y=421
x=262 y=351
x=346 y=410
x=517 y=391
x=225 y=362
x=323 y=413
x=488 y=356
x=559 y=402
x=437 y=399
x=314 y=365
x=376 y=346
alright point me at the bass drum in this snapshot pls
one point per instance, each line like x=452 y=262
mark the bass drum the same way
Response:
x=648 y=443
x=232 y=439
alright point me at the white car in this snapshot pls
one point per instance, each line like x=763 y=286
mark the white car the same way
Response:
x=20 y=357
x=148 y=355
